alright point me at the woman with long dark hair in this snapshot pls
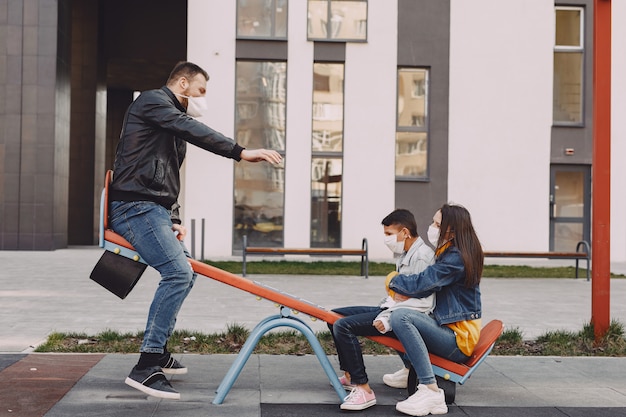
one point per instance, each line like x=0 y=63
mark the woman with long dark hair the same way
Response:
x=453 y=328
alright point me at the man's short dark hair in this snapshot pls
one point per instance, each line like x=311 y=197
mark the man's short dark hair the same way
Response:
x=402 y=217
x=186 y=69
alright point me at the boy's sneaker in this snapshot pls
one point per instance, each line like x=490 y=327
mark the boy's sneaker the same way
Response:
x=397 y=379
x=358 y=399
x=152 y=381
x=425 y=401
x=172 y=367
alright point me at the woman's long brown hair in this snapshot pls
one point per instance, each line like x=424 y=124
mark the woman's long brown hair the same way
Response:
x=457 y=220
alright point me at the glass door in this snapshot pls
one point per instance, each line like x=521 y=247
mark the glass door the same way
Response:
x=570 y=206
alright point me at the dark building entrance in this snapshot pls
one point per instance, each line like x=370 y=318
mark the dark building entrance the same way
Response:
x=71 y=70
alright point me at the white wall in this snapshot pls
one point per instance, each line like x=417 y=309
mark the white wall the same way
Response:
x=369 y=125
x=618 y=133
x=369 y=130
x=499 y=132
x=297 y=226
x=500 y=118
x=208 y=177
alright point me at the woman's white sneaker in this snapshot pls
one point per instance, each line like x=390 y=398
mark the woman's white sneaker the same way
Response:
x=397 y=379
x=425 y=401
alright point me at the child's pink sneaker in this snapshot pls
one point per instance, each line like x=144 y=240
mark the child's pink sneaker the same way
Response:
x=346 y=383
x=358 y=399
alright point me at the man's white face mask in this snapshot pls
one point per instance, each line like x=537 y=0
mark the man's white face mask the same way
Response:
x=196 y=106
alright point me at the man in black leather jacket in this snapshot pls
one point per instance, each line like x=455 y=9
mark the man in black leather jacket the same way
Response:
x=144 y=204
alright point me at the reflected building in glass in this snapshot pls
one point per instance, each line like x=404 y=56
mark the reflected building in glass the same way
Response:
x=260 y=123
x=327 y=154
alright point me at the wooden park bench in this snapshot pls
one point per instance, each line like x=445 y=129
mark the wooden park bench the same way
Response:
x=583 y=252
x=255 y=250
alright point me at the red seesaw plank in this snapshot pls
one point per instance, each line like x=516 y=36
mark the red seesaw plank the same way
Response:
x=260 y=290
x=292 y=302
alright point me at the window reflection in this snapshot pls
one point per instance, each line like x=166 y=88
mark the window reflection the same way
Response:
x=337 y=19
x=412 y=97
x=568 y=209
x=567 y=236
x=328 y=107
x=568 y=87
x=412 y=124
x=262 y=19
x=411 y=154
x=326 y=202
x=568 y=66
x=568 y=194
x=568 y=27
x=327 y=147
x=260 y=123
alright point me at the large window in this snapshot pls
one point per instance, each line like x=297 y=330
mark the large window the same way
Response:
x=570 y=201
x=568 y=66
x=337 y=20
x=327 y=155
x=412 y=124
x=260 y=123
x=266 y=19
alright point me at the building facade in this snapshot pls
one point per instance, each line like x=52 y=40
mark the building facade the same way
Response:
x=374 y=104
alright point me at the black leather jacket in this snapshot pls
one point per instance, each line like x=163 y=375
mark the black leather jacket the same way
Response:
x=152 y=148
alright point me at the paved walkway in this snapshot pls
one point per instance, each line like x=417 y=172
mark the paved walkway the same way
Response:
x=42 y=292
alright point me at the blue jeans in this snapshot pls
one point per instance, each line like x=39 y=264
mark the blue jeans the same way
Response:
x=357 y=322
x=420 y=334
x=148 y=227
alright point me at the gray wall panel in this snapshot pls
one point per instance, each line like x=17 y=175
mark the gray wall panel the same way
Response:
x=261 y=49
x=424 y=41
x=579 y=138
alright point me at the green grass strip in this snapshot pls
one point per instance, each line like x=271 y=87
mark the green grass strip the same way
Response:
x=511 y=342
x=381 y=269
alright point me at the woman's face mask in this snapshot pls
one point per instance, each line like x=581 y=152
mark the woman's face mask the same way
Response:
x=433 y=235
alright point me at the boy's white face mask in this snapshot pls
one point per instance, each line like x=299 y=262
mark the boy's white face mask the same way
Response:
x=394 y=245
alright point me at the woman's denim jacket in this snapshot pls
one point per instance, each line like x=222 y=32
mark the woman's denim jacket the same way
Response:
x=446 y=278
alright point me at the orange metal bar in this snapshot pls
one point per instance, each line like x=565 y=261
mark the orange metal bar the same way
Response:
x=601 y=170
x=310 y=309
x=304 y=306
x=263 y=291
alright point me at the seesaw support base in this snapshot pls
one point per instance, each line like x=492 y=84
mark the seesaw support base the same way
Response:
x=284 y=319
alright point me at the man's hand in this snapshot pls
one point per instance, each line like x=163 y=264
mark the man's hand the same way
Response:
x=182 y=230
x=256 y=155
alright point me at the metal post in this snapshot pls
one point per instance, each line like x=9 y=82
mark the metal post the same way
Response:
x=202 y=241
x=245 y=245
x=601 y=171
x=193 y=238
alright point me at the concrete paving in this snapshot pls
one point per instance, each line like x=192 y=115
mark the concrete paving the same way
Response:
x=42 y=292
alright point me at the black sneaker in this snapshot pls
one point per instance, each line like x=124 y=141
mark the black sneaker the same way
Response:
x=153 y=382
x=172 y=367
